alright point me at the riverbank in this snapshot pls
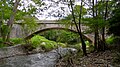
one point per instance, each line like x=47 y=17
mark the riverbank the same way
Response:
x=96 y=59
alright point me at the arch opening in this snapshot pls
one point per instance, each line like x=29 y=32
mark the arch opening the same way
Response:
x=56 y=28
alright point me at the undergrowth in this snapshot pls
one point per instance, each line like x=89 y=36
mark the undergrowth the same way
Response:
x=40 y=41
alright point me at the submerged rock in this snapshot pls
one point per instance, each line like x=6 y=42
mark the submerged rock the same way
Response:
x=48 y=59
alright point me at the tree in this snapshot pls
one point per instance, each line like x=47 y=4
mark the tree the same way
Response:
x=103 y=28
x=77 y=15
x=5 y=14
x=12 y=17
x=114 y=21
x=98 y=21
x=10 y=13
x=78 y=27
x=96 y=25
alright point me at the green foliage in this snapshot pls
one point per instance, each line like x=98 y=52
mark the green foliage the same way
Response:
x=110 y=40
x=48 y=45
x=87 y=43
x=114 y=21
x=29 y=23
x=77 y=10
x=16 y=41
x=92 y=23
x=1 y=40
x=2 y=45
x=20 y=15
x=4 y=30
x=61 y=36
x=39 y=41
x=69 y=20
x=90 y=48
x=99 y=21
x=36 y=40
x=13 y=41
x=77 y=46
x=61 y=44
x=5 y=9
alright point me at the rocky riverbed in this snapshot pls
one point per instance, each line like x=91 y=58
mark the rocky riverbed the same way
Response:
x=16 y=56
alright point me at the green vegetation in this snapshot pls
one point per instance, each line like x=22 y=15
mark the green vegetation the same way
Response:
x=99 y=18
x=16 y=41
x=10 y=14
x=13 y=41
x=63 y=36
x=39 y=41
x=112 y=40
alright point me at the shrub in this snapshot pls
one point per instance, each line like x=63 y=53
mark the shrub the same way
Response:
x=110 y=40
x=2 y=45
x=61 y=36
x=61 y=44
x=36 y=41
x=17 y=40
x=39 y=41
x=78 y=46
x=87 y=43
x=1 y=41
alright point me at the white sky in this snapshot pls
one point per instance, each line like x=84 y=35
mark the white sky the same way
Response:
x=53 y=10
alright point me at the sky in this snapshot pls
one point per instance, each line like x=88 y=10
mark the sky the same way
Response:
x=51 y=10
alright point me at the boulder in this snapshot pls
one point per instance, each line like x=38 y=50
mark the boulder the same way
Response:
x=12 y=51
x=48 y=59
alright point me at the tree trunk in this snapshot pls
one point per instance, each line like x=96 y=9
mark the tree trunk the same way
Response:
x=96 y=40
x=103 y=29
x=103 y=38
x=79 y=27
x=96 y=30
x=81 y=37
x=0 y=27
x=11 y=20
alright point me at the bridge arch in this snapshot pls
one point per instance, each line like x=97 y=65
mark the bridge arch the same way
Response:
x=60 y=28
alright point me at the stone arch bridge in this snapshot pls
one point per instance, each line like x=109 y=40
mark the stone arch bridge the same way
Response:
x=44 y=25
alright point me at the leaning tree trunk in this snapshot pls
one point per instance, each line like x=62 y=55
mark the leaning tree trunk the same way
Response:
x=12 y=17
x=79 y=27
x=81 y=37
